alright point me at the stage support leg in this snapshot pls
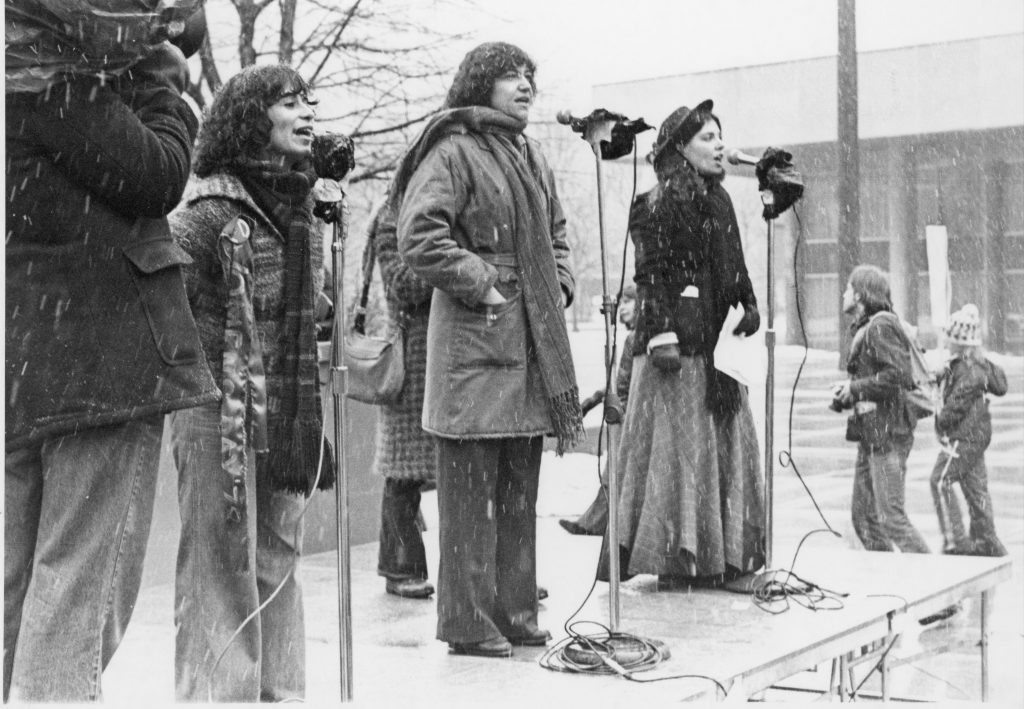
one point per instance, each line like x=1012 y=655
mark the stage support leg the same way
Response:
x=986 y=602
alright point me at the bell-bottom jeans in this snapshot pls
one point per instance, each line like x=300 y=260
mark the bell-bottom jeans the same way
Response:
x=879 y=491
x=77 y=511
x=487 y=502
x=230 y=560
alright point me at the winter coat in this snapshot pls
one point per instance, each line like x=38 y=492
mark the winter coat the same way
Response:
x=404 y=450
x=99 y=331
x=689 y=266
x=879 y=368
x=964 y=414
x=455 y=230
x=208 y=205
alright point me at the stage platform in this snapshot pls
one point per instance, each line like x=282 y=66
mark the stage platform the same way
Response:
x=715 y=633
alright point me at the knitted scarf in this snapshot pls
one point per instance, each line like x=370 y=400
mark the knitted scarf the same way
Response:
x=686 y=195
x=294 y=420
x=542 y=292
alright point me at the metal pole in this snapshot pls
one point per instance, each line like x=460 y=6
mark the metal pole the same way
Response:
x=612 y=407
x=339 y=386
x=848 y=165
x=769 y=390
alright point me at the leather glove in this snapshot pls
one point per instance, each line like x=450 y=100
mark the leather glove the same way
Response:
x=750 y=322
x=663 y=350
x=164 y=65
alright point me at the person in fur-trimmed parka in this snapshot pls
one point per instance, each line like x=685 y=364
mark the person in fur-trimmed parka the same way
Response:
x=481 y=222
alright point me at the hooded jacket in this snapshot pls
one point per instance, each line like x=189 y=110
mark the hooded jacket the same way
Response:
x=964 y=414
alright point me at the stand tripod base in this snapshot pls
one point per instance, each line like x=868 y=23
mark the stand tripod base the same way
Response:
x=624 y=650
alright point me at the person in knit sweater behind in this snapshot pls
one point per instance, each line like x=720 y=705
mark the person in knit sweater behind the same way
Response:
x=245 y=463
x=964 y=427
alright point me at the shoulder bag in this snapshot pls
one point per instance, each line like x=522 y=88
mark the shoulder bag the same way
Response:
x=376 y=366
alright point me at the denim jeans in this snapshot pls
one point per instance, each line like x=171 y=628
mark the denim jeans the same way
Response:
x=879 y=490
x=77 y=514
x=401 y=555
x=968 y=469
x=487 y=501
x=228 y=564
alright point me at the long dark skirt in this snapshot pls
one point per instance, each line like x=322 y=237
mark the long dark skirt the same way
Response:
x=691 y=489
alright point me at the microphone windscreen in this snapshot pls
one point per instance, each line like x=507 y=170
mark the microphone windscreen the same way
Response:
x=564 y=117
x=333 y=155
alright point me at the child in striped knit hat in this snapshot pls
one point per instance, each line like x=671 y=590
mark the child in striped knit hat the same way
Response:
x=964 y=427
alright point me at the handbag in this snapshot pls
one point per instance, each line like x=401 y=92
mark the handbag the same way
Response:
x=376 y=366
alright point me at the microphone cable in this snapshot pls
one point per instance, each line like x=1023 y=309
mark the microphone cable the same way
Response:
x=786 y=459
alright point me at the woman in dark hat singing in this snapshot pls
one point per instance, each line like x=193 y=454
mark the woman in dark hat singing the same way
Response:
x=691 y=500
x=480 y=221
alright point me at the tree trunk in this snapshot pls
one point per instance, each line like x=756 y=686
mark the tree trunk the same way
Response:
x=286 y=39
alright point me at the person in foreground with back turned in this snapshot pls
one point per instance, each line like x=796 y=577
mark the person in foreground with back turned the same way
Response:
x=100 y=345
x=481 y=222
x=245 y=464
x=691 y=497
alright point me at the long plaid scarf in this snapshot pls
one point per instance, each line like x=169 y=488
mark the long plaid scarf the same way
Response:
x=294 y=421
x=534 y=253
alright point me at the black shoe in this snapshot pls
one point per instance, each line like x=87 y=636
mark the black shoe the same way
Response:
x=498 y=647
x=947 y=612
x=572 y=527
x=409 y=588
x=542 y=593
x=536 y=638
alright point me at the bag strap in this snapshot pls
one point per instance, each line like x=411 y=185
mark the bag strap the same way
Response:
x=369 y=259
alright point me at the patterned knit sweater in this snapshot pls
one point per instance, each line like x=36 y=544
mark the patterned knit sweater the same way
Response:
x=210 y=203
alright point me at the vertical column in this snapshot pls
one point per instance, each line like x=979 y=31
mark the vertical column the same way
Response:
x=849 y=161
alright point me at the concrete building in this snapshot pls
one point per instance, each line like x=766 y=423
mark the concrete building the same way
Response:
x=941 y=140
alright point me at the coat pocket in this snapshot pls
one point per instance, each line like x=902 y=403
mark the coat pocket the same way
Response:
x=156 y=271
x=491 y=336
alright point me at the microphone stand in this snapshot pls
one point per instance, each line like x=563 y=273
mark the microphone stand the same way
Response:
x=339 y=388
x=595 y=132
x=768 y=199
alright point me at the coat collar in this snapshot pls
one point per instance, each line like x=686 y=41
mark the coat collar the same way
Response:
x=223 y=185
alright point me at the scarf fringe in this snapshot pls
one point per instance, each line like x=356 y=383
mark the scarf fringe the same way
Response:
x=292 y=467
x=567 y=420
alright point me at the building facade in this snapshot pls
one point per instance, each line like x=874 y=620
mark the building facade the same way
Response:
x=941 y=142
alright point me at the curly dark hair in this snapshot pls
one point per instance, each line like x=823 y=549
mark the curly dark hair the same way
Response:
x=481 y=67
x=236 y=125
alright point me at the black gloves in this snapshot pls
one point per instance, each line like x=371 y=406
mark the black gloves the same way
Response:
x=164 y=65
x=663 y=350
x=750 y=322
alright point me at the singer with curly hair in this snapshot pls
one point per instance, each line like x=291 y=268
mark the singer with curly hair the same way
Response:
x=246 y=463
x=480 y=221
x=691 y=499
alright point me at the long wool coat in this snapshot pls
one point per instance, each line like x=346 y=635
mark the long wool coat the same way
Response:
x=404 y=450
x=455 y=229
x=98 y=327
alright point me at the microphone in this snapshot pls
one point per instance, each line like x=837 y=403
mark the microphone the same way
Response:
x=565 y=117
x=614 y=142
x=735 y=157
x=333 y=155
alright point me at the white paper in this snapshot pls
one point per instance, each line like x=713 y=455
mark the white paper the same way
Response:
x=742 y=358
x=939 y=291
